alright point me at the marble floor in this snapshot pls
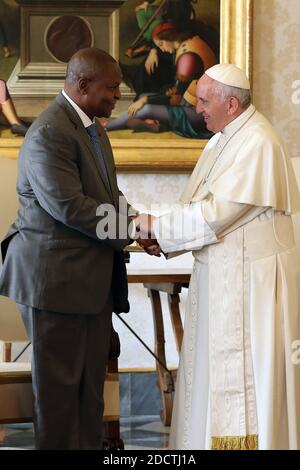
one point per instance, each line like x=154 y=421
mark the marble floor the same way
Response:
x=137 y=432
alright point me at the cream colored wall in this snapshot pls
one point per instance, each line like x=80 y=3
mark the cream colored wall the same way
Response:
x=276 y=66
x=148 y=190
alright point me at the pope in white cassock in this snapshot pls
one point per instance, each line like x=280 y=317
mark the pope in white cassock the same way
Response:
x=238 y=384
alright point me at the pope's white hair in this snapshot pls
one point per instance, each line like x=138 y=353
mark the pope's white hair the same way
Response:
x=241 y=94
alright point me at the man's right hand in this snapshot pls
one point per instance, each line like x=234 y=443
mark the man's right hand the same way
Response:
x=150 y=246
x=146 y=237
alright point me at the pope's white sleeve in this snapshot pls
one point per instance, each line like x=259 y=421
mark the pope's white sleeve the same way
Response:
x=195 y=225
x=184 y=229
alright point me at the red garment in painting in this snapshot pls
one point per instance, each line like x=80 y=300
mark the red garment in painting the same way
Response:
x=193 y=48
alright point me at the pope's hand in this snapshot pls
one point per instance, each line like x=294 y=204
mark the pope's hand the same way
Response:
x=143 y=223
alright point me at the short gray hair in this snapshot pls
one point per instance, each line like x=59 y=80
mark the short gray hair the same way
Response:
x=241 y=94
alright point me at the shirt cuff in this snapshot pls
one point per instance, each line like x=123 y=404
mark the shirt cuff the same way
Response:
x=132 y=230
x=132 y=212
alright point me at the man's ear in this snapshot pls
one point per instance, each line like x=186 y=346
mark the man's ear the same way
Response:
x=233 y=105
x=83 y=86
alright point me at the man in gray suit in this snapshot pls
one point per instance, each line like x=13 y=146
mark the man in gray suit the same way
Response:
x=66 y=280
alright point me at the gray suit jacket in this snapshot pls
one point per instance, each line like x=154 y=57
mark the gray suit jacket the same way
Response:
x=52 y=258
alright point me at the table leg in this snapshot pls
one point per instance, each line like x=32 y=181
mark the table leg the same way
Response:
x=2 y=434
x=165 y=379
x=173 y=301
x=7 y=351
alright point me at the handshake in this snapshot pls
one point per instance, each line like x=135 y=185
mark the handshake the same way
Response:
x=145 y=235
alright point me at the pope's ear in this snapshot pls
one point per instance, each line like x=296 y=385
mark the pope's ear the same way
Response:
x=233 y=105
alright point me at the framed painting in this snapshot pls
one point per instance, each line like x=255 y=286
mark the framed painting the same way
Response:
x=38 y=37
x=9 y=37
x=227 y=25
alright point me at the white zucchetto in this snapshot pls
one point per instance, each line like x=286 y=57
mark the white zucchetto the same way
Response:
x=229 y=74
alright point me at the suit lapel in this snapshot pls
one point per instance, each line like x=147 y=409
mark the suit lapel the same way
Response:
x=109 y=160
x=84 y=137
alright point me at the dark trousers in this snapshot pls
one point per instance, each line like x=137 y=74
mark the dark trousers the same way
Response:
x=70 y=353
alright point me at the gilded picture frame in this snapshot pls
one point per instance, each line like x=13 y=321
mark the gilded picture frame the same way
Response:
x=179 y=155
x=160 y=153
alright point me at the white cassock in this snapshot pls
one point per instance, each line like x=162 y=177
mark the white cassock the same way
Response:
x=238 y=384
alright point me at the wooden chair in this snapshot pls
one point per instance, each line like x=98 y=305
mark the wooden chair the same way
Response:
x=16 y=397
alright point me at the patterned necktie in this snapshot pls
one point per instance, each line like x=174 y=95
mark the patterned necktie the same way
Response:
x=91 y=130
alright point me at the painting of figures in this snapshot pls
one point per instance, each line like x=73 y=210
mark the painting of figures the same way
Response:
x=165 y=47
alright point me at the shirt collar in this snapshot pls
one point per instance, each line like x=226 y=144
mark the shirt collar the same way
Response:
x=84 y=118
x=238 y=122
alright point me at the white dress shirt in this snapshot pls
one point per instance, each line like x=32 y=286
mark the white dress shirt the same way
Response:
x=84 y=118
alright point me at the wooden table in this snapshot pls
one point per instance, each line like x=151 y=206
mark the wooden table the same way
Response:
x=170 y=281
